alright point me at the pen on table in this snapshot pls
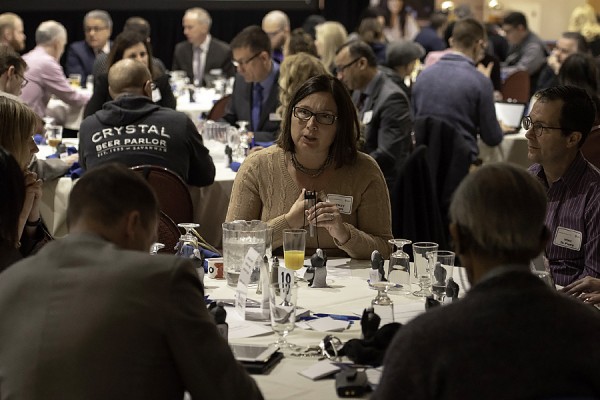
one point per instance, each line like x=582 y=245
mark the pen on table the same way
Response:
x=332 y=316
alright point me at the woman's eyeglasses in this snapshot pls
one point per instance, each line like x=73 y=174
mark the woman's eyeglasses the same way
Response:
x=323 y=118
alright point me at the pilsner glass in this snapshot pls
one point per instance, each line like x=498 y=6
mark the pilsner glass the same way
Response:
x=399 y=269
x=382 y=305
x=282 y=301
x=421 y=265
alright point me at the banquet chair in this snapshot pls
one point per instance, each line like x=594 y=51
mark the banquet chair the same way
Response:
x=218 y=109
x=168 y=233
x=173 y=194
x=591 y=148
x=516 y=87
x=415 y=212
x=448 y=156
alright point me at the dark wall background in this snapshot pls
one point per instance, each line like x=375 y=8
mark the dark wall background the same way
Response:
x=229 y=17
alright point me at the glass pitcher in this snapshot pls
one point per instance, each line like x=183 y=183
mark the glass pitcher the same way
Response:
x=238 y=238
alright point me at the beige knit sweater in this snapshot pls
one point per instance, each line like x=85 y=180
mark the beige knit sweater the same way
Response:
x=263 y=189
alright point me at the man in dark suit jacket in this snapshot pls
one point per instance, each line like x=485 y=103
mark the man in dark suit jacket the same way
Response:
x=97 y=25
x=201 y=53
x=517 y=336
x=94 y=316
x=382 y=106
x=257 y=79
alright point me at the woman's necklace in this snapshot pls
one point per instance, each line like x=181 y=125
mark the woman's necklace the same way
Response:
x=313 y=173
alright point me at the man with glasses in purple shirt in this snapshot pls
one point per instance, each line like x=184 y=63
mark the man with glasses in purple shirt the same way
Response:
x=557 y=127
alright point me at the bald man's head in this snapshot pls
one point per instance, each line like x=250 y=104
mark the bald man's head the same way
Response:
x=129 y=76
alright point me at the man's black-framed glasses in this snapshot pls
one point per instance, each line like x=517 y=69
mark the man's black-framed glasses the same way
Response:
x=323 y=118
x=537 y=127
x=238 y=64
x=343 y=67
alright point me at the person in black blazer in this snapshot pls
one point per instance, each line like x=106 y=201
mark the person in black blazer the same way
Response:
x=383 y=108
x=211 y=53
x=130 y=44
x=257 y=72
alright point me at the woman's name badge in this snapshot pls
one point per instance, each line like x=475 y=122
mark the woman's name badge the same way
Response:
x=343 y=203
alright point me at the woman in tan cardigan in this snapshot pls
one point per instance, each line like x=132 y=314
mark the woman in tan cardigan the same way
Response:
x=317 y=151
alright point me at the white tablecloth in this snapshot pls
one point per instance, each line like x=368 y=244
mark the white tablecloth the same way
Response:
x=210 y=202
x=348 y=294
x=71 y=116
x=513 y=149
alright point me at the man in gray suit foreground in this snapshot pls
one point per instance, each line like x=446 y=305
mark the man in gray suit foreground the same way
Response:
x=93 y=316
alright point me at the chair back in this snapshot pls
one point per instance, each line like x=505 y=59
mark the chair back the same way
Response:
x=517 y=87
x=173 y=194
x=168 y=233
x=591 y=148
x=415 y=211
x=448 y=155
x=218 y=109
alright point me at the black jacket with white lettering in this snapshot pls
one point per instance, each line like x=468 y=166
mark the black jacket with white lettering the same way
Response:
x=133 y=130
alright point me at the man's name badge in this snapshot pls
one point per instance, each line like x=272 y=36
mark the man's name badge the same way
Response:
x=367 y=116
x=568 y=238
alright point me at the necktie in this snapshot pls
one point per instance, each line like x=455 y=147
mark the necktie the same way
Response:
x=257 y=99
x=198 y=68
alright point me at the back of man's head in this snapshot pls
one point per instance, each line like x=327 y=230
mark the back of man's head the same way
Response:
x=279 y=18
x=49 y=31
x=128 y=76
x=252 y=37
x=438 y=19
x=467 y=32
x=515 y=19
x=109 y=192
x=139 y=25
x=578 y=110
x=498 y=213
x=10 y=58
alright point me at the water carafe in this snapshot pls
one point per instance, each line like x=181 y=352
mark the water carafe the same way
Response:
x=238 y=238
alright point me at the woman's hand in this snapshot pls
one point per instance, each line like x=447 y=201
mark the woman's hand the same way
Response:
x=586 y=289
x=328 y=216
x=295 y=217
x=33 y=194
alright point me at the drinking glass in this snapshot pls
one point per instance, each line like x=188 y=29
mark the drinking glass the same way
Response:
x=89 y=83
x=399 y=266
x=441 y=265
x=382 y=304
x=421 y=265
x=294 y=243
x=54 y=135
x=282 y=306
x=75 y=80
x=540 y=267
x=188 y=247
